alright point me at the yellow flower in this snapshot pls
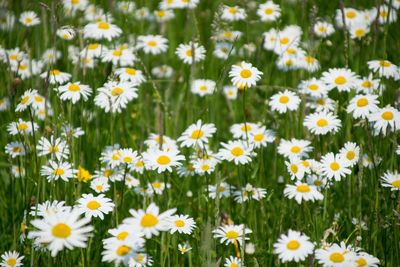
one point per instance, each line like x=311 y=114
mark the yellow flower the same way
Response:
x=83 y=175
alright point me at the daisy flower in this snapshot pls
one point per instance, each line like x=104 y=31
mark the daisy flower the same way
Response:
x=359 y=30
x=295 y=246
x=294 y=148
x=119 y=56
x=385 y=118
x=197 y=134
x=269 y=11
x=229 y=234
x=236 y=151
x=152 y=44
x=56 y=76
x=367 y=260
x=74 y=92
x=313 y=87
x=233 y=262
x=351 y=152
x=101 y=30
x=342 y=79
x=55 y=147
x=182 y=224
x=65 y=229
x=284 y=101
x=92 y=50
x=391 y=180
x=309 y=63
x=100 y=185
x=128 y=156
x=94 y=206
x=139 y=259
x=386 y=14
x=60 y=170
x=244 y=75
x=249 y=192
x=166 y=142
x=384 y=68
x=15 y=149
x=26 y=100
x=130 y=75
x=260 y=136
x=163 y=15
x=323 y=29
x=162 y=160
x=11 y=259
x=29 y=18
x=22 y=127
x=243 y=130
x=321 y=123
x=335 y=166
x=66 y=33
x=230 y=92
x=191 y=52
x=184 y=248
x=48 y=208
x=203 y=87
x=233 y=13
x=163 y=71
x=336 y=256
x=4 y=103
x=115 y=96
x=302 y=191
x=150 y=221
x=296 y=168
x=223 y=190
x=361 y=106
x=367 y=85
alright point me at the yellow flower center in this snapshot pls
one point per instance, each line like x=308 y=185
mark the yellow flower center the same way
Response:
x=245 y=73
x=53 y=149
x=93 y=46
x=383 y=14
x=58 y=172
x=322 y=123
x=232 y=234
x=122 y=235
x=149 y=220
x=25 y=100
x=163 y=160
x=28 y=20
x=384 y=63
x=117 y=91
x=205 y=167
x=74 y=87
x=130 y=71
x=303 y=188
x=61 y=230
x=294 y=168
x=237 y=151
x=107 y=173
x=232 y=10
x=313 y=87
x=179 y=223
x=123 y=250
x=38 y=98
x=336 y=257
x=189 y=52
x=16 y=149
x=11 y=262
x=284 y=40
x=387 y=115
x=283 y=99
x=55 y=72
x=293 y=244
x=350 y=155
x=351 y=14
x=340 y=80
x=295 y=149
x=360 y=32
x=161 y=14
x=196 y=134
x=396 y=183
x=22 y=126
x=361 y=262
x=127 y=159
x=366 y=84
x=152 y=43
x=99 y=187
x=334 y=166
x=139 y=163
x=117 y=53
x=309 y=59
x=362 y=102
x=268 y=11
x=93 y=205
x=258 y=137
x=103 y=25
x=156 y=184
x=14 y=57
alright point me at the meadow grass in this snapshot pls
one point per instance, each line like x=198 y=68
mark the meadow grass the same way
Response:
x=167 y=107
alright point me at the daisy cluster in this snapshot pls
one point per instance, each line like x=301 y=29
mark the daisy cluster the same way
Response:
x=85 y=177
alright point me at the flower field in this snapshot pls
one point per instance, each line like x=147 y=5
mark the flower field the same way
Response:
x=200 y=133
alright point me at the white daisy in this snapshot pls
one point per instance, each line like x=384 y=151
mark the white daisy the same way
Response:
x=295 y=246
